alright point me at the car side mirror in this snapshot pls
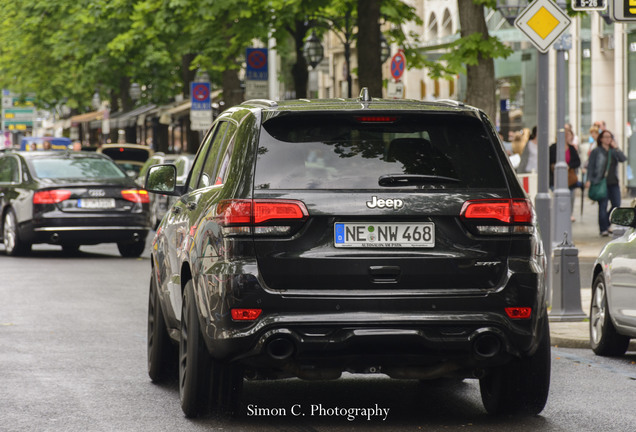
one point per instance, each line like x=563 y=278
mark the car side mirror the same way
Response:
x=624 y=216
x=162 y=179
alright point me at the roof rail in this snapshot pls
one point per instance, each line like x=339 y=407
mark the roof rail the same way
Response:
x=451 y=102
x=261 y=102
x=364 y=95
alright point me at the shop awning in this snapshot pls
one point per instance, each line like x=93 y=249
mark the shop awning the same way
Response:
x=87 y=117
x=129 y=118
x=166 y=116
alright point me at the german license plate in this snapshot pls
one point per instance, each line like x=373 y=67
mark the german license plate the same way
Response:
x=96 y=203
x=385 y=235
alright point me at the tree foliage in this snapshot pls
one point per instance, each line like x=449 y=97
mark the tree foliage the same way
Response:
x=65 y=50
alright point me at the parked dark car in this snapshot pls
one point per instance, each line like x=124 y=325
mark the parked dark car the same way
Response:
x=362 y=235
x=130 y=157
x=613 y=303
x=159 y=203
x=70 y=199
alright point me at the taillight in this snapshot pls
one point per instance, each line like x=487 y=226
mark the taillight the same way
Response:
x=51 y=196
x=266 y=217
x=136 y=195
x=518 y=312
x=245 y=314
x=499 y=216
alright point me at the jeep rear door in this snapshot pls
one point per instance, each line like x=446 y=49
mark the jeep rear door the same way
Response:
x=415 y=201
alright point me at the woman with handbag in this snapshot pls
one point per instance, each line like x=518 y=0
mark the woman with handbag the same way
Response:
x=602 y=171
x=573 y=161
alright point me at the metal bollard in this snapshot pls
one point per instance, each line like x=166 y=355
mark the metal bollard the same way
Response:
x=566 y=288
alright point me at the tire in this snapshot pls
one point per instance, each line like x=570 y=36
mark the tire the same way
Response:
x=194 y=359
x=161 y=354
x=70 y=249
x=154 y=221
x=521 y=386
x=131 y=249
x=604 y=339
x=13 y=244
x=227 y=387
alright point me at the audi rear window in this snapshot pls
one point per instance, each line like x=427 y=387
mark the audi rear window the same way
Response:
x=76 y=168
x=376 y=151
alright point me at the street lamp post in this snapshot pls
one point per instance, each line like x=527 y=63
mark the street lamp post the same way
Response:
x=134 y=91
x=385 y=49
x=96 y=101
x=510 y=10
x=313 y=50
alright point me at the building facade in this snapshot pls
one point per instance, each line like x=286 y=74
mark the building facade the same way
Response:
x=600 y=78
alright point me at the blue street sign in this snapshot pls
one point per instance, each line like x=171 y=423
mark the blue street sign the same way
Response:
x=256 y=64
x=200 y=96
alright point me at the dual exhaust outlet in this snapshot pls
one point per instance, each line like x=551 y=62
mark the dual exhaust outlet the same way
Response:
x=486 y=343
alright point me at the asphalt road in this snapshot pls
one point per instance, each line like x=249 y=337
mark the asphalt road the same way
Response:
x=73 y=358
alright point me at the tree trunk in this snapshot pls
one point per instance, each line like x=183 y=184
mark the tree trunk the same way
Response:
x=232 y=92
x=480 y=90
x=299 y=69
x=368 y=45
x=187 y=76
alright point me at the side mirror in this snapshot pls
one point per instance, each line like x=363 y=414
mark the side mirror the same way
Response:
x=162 y=179
x=624 y=216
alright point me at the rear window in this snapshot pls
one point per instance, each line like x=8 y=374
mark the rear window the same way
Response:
x=76 y=168
x=354 y=152
x=128 y=154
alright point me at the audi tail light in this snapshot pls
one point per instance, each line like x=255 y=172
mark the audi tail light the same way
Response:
x=51 y=196
x=499 y=216
x=136 y=195
x=260 y=217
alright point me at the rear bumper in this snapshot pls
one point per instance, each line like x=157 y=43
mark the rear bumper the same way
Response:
x=423 y=346
x=402 y=333
x=86 y=230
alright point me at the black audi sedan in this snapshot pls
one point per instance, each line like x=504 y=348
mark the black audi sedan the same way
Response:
x=316 y=237
x=69 y=199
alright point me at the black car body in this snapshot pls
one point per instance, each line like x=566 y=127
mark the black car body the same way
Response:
x=70 y=199
x=160 y=203
x=369 y=236
x=613 y=302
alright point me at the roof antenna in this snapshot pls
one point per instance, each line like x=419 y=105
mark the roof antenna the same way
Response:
x=364 y=95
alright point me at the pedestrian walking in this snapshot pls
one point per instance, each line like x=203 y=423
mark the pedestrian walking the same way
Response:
x=603 y=167
x=573 y=160
x=530 y=154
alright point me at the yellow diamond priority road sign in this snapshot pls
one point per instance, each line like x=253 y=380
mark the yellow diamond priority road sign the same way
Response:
x=543 y=22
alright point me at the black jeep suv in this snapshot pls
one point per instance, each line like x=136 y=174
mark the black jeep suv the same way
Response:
x=362 y=235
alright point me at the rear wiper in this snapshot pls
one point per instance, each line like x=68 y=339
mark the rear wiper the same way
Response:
x=396 y=180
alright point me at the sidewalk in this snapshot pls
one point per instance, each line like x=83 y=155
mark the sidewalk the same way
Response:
x=586 y=239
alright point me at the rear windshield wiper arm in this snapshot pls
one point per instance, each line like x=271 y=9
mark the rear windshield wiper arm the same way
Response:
x=394 y=180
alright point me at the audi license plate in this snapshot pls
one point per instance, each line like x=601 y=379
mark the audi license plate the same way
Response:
x=96 y=203
x=385 y=235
